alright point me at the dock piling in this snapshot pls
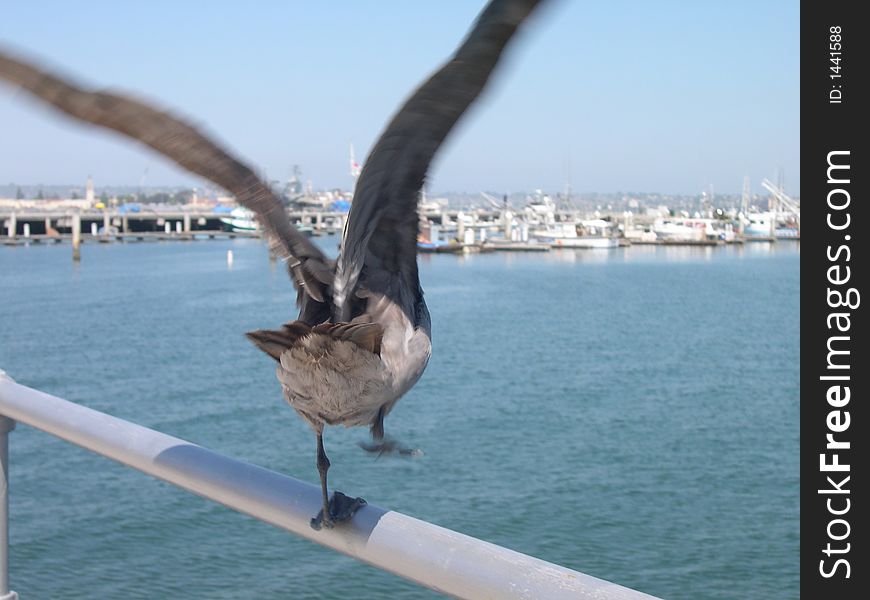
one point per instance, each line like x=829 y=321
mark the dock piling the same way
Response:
x=76 y=237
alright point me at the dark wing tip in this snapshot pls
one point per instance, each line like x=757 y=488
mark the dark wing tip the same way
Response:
x=184 y=144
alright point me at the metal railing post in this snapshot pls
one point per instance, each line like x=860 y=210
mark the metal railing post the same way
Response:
x=6 y=425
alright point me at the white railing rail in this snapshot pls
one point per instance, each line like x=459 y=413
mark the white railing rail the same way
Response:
x=427 y=554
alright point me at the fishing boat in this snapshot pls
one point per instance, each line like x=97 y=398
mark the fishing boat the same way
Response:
x=241 y=219
x=680 y=230
x=593 y=233
x=540 y=210
x=759 y=226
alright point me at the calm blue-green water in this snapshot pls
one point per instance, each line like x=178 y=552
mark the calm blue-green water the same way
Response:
x=649 y=395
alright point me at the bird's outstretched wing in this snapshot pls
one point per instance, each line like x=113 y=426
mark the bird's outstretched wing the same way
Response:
x=184 y=144
x=379 y=246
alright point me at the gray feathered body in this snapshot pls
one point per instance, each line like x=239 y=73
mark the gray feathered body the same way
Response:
x=330 y=380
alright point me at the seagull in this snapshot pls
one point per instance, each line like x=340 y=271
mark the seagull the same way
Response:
x=362 y=337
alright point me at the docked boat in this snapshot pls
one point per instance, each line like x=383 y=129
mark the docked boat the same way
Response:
x=788 y=233
x=640 y=235
x=680 y=230
x=241 y=219
x=759 y=226
x=762 y=226
x=429 y=241
x=439 y=247
x=540 y=210
x=693 y=230
x=594 y=233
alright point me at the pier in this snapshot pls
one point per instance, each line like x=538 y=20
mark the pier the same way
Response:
x=466 y=231
x=109 y=226
x=141 y=236
x=39 y=224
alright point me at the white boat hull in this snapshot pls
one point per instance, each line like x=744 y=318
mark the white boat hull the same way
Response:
x=240 y=219
x=240 y=224
x=788 y=233
x=583 y=234
x=584 y=242
x=678 y=233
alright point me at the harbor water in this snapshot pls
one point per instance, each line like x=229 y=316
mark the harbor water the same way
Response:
x=632 y=414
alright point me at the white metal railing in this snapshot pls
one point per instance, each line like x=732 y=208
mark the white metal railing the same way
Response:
x=435 y=557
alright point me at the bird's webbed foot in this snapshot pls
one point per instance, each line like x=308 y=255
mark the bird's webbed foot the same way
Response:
x=389 y=446
x=341 y=508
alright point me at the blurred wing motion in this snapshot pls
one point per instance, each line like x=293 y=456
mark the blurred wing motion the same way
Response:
x=189 y=148
x=379 y=248
x=363 y=337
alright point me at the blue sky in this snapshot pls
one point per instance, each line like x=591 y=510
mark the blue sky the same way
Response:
x=611 y=95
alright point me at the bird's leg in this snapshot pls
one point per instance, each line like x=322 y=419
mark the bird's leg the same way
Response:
x=322 y=468
x=382 y=445
x=337 y=509
x=389 y=446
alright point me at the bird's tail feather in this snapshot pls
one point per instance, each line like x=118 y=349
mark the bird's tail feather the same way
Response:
x=364 y=335
x=275 y=341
